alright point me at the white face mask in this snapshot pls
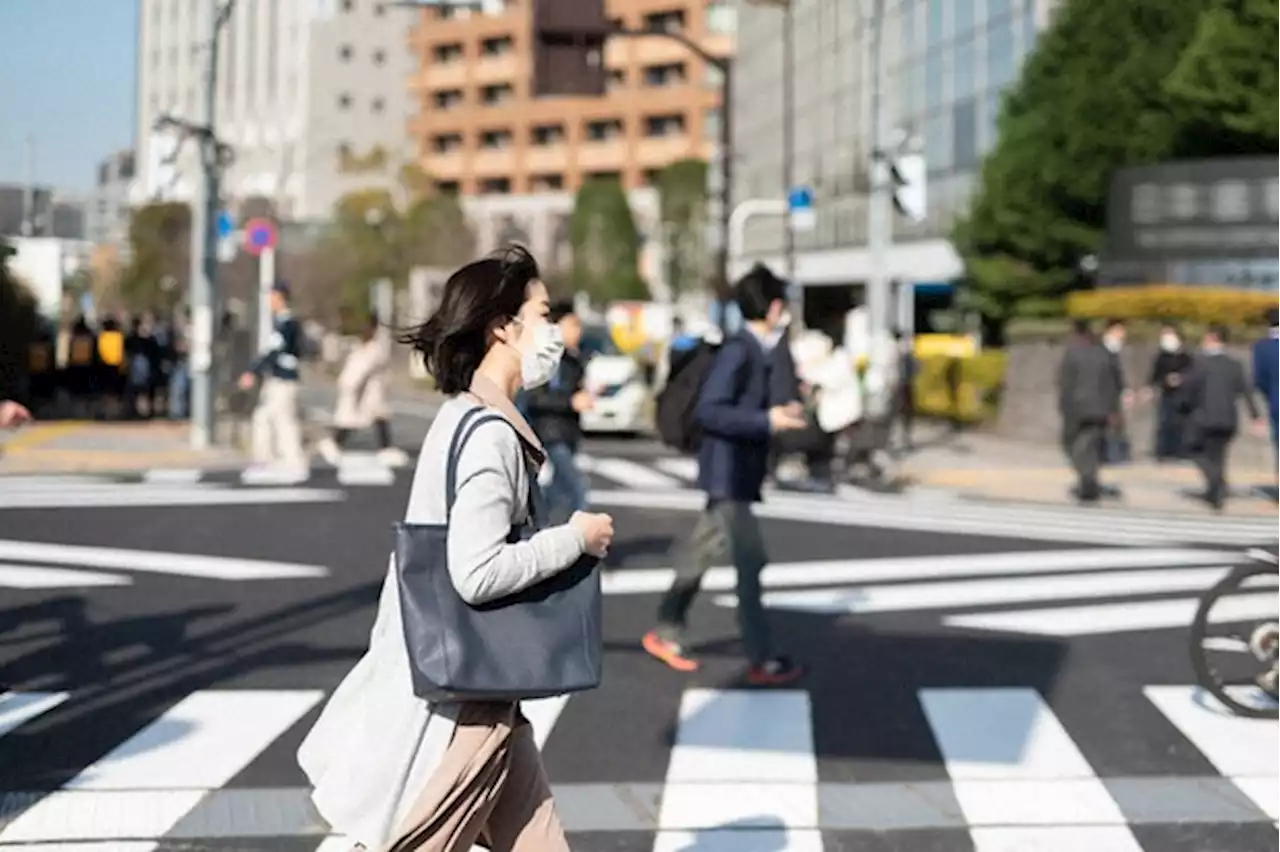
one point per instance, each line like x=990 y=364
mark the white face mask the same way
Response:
x=541 y=348
x=1169 y=342
x=1112 y=343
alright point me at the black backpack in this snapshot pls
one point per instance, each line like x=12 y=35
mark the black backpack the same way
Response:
x=676 y=402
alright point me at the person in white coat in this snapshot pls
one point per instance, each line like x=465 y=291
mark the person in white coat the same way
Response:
x=390 y=770
x=362 y=398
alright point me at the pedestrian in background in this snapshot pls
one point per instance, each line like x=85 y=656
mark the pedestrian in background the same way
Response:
x=555 y=412
x=362 y=398
x=398 y=773
x=1214 y=387
x=1089 y=401
x=904 y=398
x=1266 y=374
x=1116 y=448
x=277 y=430
x=737 y=422
x=1168 y=375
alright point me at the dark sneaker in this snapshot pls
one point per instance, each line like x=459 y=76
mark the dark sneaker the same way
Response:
x=775 y=672
x=668 y=651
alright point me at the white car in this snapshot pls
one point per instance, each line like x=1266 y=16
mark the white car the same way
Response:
x=622 y=396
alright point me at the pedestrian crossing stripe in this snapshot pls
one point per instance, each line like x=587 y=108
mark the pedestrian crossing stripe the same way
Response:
x=741 y=762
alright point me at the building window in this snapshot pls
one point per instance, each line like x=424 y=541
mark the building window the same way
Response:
x=447 y=187
x=664 y=75
x=495 y=186
x=604 y=129
x=937 y=10
x=446 y=142
x=665 y=22
x=448 y=98
x=446 y=53
x=963 y=83
x=1001 y=60
x=447 y=12
x=612 y=176
x=546 y=183
x=379 y=57
x=964 y=134
x=664 y=125
x=616 y=80
x=495 y=139
x=547 y=134
x=345 y=53
x=935 y=72
x=379 y=104
x=344 y=101
x=652 y=176
x=496 y=94
x=496 y=46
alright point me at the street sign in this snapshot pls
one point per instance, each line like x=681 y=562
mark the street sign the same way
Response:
x=800 y=206
x=226 y=224
x=259 y=235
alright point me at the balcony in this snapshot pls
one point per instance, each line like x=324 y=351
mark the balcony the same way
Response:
x=497 y=69
x=658 y=151
x=446 y=166
x=493 y=162
x=447 y=75
x=609 y=155
x=658 y=50
x=547 y=159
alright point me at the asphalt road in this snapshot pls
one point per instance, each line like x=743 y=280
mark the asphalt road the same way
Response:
x=980 y=679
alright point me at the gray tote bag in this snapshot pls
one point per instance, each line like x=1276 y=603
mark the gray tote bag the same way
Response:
x=545 y=640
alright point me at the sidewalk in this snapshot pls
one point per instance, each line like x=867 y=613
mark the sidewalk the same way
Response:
x=981 y=466
x=75 y=446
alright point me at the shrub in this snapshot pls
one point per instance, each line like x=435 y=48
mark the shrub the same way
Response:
x=1173 y=303
x=981 y=378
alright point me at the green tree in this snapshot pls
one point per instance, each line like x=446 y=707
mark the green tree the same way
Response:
x=377 y=233
x=1224 y=88
x=160 y=242
x=602 y=232
x=1109 y=85
x=682 y=188
x=19 y=319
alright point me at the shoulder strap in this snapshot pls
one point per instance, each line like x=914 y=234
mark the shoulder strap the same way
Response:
x=470 y=422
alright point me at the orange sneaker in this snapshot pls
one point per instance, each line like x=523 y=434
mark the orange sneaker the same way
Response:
x=668 y=651
x=776 y=672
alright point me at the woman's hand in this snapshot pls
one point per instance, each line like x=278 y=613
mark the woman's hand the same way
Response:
x=596 y=530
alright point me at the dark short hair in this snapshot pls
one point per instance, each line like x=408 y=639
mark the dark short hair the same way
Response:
x=560 y=309
x=1082 y=327
x=757 y=290
x=1273 y=317
x=479 y=297
x=1219 y=331
x=1114 y=322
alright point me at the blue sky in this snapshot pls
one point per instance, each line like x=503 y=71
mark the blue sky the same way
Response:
x=67 y=77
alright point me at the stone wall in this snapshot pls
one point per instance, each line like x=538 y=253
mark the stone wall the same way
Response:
x=1029 y=403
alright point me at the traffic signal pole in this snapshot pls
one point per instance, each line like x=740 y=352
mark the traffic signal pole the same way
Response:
x=880 y=204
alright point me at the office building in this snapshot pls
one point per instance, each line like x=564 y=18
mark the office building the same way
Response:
x=479 y=130
x=108 y=214
x=310 y=97
x=945 y=64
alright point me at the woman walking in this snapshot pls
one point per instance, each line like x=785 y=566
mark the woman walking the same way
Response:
x=392 y=771
x=362 y=398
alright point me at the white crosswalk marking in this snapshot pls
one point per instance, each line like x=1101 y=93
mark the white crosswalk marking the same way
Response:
x=679 y=467
x=364 y=469
x=154 y=562
x=21 y=576
x=1245 y=750
x=741 y=760
x=1019 y=778
x=184 y=476
x=627 y=473
x=18 y=708
x=147 y=784
x=1124 y=617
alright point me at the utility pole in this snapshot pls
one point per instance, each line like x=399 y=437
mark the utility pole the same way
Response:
x=879 y=205
x=788 y=136
x=29 y=191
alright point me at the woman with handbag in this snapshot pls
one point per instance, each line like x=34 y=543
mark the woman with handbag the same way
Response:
x=411 y=753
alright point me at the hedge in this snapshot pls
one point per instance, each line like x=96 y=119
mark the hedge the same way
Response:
x=981 y=378
x=1173 y=303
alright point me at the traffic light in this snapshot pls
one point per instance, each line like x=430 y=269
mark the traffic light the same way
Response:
x=568 y=47
x=908 y=171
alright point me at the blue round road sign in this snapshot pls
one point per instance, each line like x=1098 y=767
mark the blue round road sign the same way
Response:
x=259 y=235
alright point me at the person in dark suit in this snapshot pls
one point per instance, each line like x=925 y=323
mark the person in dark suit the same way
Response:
x=1216 y=383
x=1168 y=373
x=737 y=420
x=555 y=412
x=1089 y=393
x=1266 y=372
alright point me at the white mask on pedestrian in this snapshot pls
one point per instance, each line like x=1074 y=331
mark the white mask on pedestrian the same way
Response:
x=1169 y=342
x=1114 y=344
x=541 y=348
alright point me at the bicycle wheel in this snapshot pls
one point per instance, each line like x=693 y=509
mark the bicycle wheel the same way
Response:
x=1251 y=641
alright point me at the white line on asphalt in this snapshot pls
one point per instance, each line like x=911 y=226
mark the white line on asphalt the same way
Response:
x=1013 y=767
x=625 y=472
x=681 y=468
x=87 y=846
x=639 y=581
x=18 y=708
x=124 y=496
x=1245 y=750
x=142 y=788
x=173 y=475
x=958 y=593
x=364 y=469
x=18 y=576
x=741 y=759
x=1130 y=616
x=155 y=562
x=49 y=481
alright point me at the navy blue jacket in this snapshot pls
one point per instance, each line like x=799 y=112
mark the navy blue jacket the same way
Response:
x=733 y=413
x=280 y=361
x=1265 y=377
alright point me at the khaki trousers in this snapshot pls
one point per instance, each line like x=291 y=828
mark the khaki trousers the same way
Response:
x=490 y=789
x=277 y=432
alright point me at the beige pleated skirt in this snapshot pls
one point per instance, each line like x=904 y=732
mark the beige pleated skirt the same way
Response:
x=489 y=790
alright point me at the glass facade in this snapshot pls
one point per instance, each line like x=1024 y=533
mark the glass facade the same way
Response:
x=945 y=66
